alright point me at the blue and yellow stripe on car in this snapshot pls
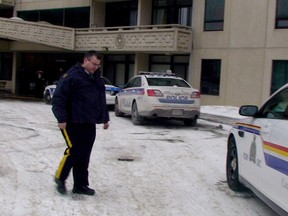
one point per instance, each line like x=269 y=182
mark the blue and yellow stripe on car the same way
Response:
x=138 y=91
x=248 y=128
x=276 y=157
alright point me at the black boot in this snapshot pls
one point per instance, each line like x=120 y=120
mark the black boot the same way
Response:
x=60 y=186
x=83 y=190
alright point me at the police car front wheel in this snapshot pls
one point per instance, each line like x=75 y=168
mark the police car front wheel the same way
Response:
x=232 y=171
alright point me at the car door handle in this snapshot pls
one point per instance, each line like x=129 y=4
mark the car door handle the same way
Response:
x=241 y=133
x=265 y=130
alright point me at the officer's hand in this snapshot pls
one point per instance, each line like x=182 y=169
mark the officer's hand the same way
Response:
x=105 y=125
x=62 y=125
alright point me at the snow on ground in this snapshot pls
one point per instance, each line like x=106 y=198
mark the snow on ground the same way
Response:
x=173 y=170
x=226 y=111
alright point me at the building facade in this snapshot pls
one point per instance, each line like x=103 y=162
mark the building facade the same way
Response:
x=234 y=51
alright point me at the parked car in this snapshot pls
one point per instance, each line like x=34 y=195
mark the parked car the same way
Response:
x=158 y=95
x=257 y=151
x=111 y=91
x=48 y=93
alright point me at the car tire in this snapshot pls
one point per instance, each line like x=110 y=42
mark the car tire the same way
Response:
x=232 y=166
x=47 y=98
x=136 y=118
x=190 y=122
x=118 y=113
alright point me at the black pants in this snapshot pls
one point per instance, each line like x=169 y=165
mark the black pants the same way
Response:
x=79 y=139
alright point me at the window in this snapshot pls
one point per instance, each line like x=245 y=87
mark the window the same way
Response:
x=119 y=69
x=279 y=74
x=6 y=60
x=214 y=15
x=134 y=82
x=53 y=16
x=210 y=76
x=281 y=14
x=177 y=63
x=167 y=82
x=7 y=13
x=64 y=17
x=276 y=107
x=124 y=13
x=172 y=12
x=71 y=17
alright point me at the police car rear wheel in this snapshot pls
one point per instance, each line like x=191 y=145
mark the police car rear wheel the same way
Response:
x=191 y=122
x=136 y=118
x=232 y=173
x=118 y=113
x=47 y=97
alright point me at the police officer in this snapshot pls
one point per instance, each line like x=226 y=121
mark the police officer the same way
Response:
x=79 y=102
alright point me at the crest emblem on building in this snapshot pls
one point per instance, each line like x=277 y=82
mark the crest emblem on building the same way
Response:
x=120 y=41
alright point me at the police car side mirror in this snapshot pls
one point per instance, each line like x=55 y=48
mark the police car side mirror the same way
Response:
x=248 y=110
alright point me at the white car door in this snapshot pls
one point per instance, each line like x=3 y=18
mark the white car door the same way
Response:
x=253 y=133
x=128 y=93
x=269 y=151
x=276 y=150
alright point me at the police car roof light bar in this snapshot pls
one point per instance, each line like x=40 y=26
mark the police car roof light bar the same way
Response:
x=168 y=73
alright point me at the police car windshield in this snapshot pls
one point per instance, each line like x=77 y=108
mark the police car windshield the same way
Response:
x=167 y=82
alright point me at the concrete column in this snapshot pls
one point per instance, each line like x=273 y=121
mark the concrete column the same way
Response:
x=144 y=12
x=14 y=69
x=141 y=63
x=97 y=14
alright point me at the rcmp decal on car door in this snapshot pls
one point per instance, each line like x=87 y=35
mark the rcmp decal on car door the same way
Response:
x=276 y=156
x=250 y=156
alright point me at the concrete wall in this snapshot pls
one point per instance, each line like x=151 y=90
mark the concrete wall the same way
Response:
x=247 y=46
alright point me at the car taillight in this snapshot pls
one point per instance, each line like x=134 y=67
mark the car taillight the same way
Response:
x=195 y=94
x=154 y=93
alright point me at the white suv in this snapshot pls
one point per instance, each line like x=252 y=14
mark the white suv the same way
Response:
x=257 y=151
x=158 y=95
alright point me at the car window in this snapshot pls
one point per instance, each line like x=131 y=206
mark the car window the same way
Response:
x=134 y=82
x=167 y=82
x=106 y=81
x=276 y=107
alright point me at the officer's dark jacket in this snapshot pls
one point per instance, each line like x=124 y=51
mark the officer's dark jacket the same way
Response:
x=80 y=98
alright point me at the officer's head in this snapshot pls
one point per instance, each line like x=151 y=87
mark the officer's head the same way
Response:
x=92 y=61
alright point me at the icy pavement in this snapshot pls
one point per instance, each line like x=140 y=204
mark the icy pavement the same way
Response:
x=165 y=169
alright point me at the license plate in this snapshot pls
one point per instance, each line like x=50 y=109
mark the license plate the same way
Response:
x=177 y=112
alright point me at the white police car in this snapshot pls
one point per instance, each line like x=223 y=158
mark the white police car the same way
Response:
x=48 y=93
x=257 y=151
x=111 y=91
x=158 y=95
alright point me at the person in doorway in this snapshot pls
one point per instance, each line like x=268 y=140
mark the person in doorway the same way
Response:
x=39 y=84
x=79 y=102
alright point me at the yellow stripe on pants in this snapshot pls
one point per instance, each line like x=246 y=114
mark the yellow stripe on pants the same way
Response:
x=66 y=154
